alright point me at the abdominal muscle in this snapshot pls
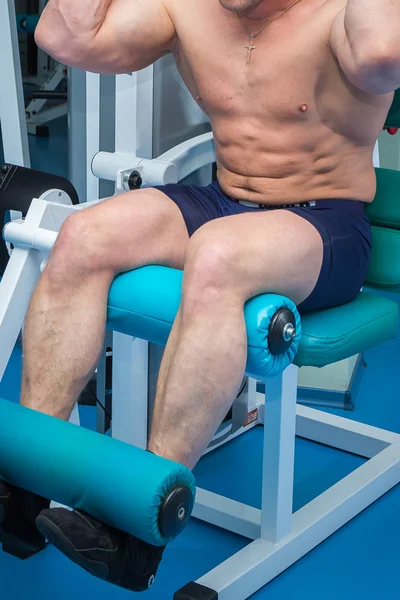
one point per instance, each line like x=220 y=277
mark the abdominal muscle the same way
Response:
x=287 y=170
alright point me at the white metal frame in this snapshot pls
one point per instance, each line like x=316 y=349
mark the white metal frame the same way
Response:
x=279 y=537
x=12 y=106
x=282 y=540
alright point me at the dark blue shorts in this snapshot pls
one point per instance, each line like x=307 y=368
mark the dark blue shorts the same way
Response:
x=344 y=228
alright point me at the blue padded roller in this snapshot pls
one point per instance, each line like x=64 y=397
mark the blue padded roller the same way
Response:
x=144 y=303
x=118 y=484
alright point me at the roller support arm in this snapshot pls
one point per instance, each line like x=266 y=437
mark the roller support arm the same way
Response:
x=171 y=167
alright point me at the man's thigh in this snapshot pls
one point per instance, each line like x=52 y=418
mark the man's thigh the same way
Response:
x=267 y=251
x=135 y=229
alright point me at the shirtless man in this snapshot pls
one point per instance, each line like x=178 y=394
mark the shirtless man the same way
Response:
x=297 y=94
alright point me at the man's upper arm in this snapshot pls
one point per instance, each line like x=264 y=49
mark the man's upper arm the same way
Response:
x=340 y=46
x=134 y=34
x=363 y=67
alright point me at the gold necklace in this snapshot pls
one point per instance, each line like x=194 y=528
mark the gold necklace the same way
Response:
x=253 y=36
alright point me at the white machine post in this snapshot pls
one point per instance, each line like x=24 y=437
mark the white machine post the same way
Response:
x=134 y=97
x=19 y=282
x=93 y=121
x=134 y=113
x=12 y=106
x=278 y=461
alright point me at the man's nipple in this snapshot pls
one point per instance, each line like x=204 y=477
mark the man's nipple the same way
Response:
x=303 y=108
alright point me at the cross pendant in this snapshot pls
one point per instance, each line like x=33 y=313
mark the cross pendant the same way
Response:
x=249 y=48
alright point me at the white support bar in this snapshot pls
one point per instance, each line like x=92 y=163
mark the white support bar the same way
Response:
x=134 y=97
x=343 y=434
x=12 y=104
x=22 y=235
x=16 y=288
x=92 y=133
x=171 y=167
x=74 y=418
x=313 y=425
x=111 y=166
x=192 y=155
x=376 y=156
x=28 y=235
x=19 y=282
x=221 y=441
x=226 y=513
x=261 y=561
x=130 y=387
x=278 y=462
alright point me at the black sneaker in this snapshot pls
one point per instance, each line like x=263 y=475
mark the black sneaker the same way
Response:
x=105 y=552
x=18 y=511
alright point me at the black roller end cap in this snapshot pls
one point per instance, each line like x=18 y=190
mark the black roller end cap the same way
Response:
x=175 y=511
x=277 y=342
x=194 y=591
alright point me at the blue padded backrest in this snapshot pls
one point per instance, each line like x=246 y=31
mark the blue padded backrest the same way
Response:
x=384 y=214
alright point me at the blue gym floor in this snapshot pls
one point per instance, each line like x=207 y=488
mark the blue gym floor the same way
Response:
x=361 y=560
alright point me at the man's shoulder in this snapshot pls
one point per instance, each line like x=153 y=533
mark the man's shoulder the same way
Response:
x=191 y=7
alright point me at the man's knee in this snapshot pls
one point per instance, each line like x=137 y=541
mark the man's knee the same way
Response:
x=79 y=247
x=210 y=269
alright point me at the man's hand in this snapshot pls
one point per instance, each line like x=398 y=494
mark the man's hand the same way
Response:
x=106 y=36
x=365 y=38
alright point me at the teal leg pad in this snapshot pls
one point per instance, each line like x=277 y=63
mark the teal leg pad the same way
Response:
x=121 y=485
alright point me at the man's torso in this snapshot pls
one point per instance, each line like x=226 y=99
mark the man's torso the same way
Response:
x=268 y=149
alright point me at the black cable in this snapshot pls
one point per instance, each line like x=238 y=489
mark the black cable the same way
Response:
x=244 y=383
x=100 y=403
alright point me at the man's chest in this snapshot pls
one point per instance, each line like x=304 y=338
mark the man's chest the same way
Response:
x=284 y=66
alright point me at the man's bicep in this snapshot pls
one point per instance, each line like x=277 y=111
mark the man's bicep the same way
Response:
x=340 y=46
x=134 y=34
x=364 y=65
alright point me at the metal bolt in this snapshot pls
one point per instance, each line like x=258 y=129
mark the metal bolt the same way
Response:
x=135 y=181
x=181 y=513
x=289 y=332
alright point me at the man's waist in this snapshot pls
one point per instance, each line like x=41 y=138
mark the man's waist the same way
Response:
x=269 y=206
x=347 y=203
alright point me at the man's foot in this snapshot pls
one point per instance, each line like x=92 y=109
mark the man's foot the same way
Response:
x=106 y=553
x=18 y=511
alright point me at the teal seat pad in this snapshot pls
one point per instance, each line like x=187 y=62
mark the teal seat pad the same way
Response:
x=144 y=303
x=335 y=334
